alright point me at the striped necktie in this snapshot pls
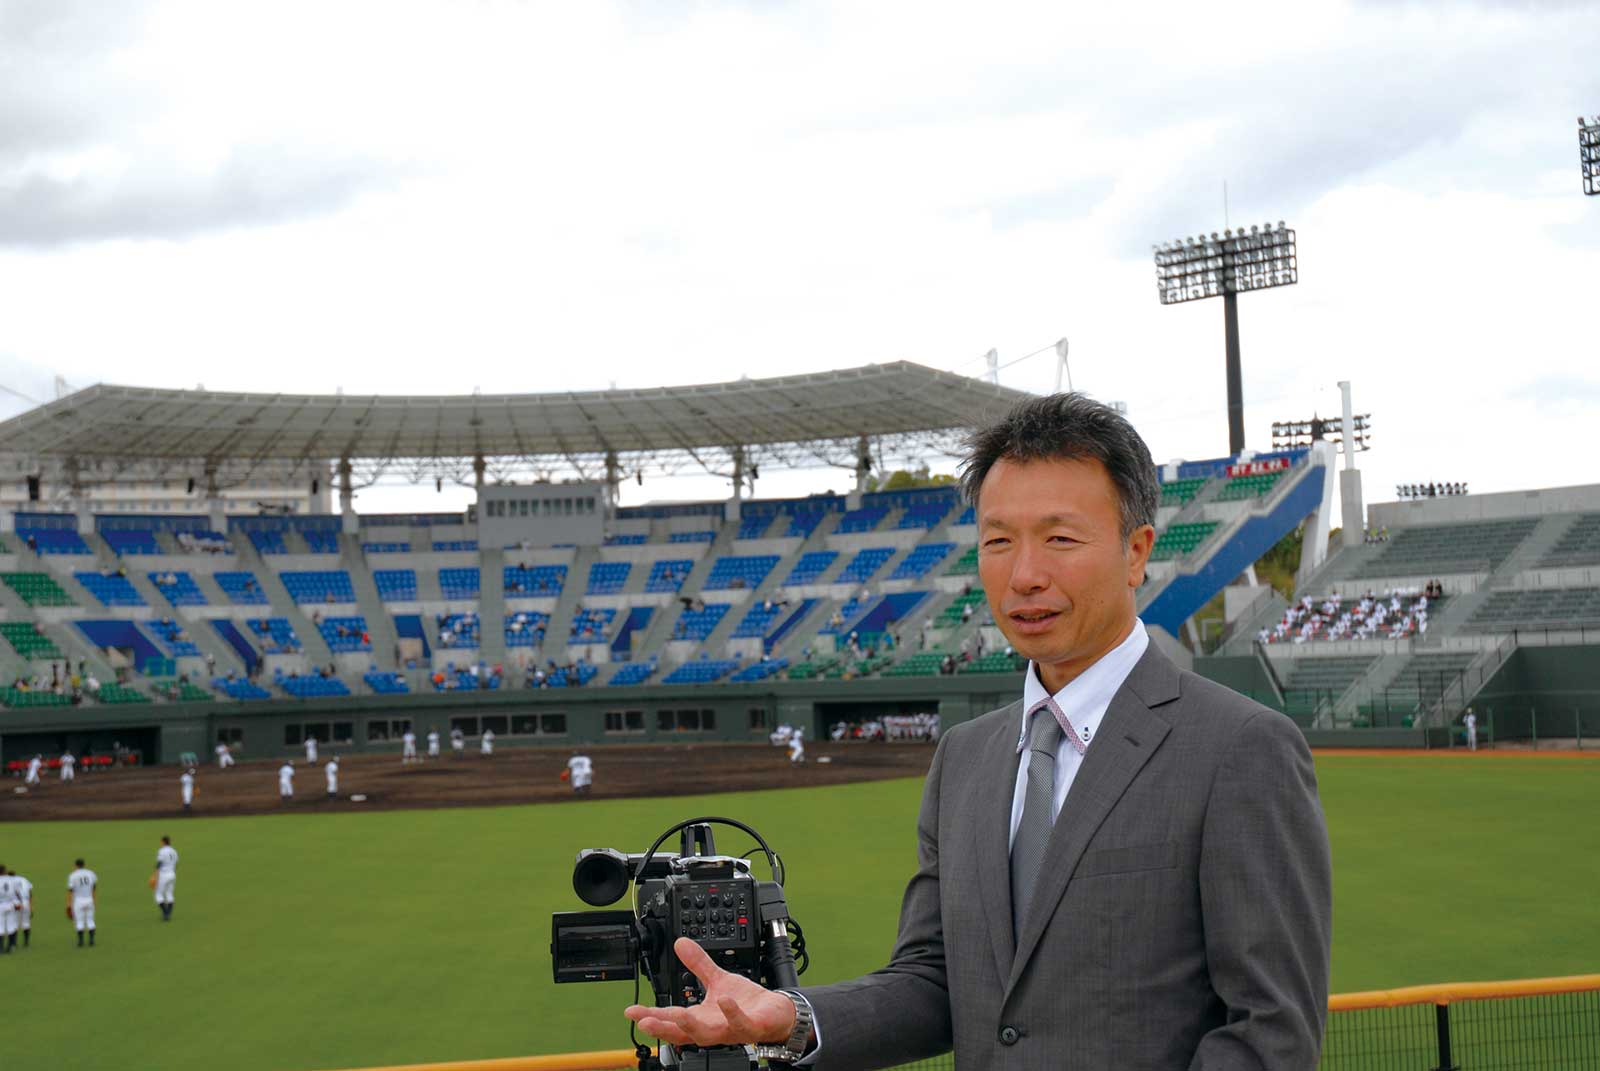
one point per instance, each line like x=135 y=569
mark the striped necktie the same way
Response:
x=1038 y=809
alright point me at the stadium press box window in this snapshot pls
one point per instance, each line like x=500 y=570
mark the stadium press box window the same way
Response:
x=380 y=729
x=553 y=724
x=624 y=721
x=686 y=721
x=758 y=719
x=231 y=735
x=339 y=732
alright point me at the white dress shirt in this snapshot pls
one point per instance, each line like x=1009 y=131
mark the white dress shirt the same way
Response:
x=1084 y=701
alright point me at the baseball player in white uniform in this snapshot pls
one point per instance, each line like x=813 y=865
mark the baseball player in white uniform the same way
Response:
x=332 y=772
x=10 y=908
x=33 y=770
x=186 y=788
x=797 y=747
x=433 y=742
x=81 y=884
x=311 y=750
x=166 y=876
x=408 y=747
x=487 y=747
x=1472 y=730
x=458 y=741
x=67 y=765
x=286 y=782
x=22 y=888
x=581 y=772
x=224 y=756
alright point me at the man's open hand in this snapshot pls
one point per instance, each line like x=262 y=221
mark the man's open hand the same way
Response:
x=736 y=1011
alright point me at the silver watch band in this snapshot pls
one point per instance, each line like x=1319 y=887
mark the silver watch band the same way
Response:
x=799 y=1037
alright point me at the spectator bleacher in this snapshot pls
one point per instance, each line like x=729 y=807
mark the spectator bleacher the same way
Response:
x=124 y=543
x=23 y=698
x=114 y=694
x=758 y=620
x=573 y=676
x=968 y=516
x=1315 y=682
x=458 y=630
x=241 y=587
x=26 y=639
x=1240 y=488
x=321 y=542
x=319 y=586
x=995 y=662
x=705 y=671
x=236 y=688
x=267 y=542
x=456 y=545
x=735 y=571
x=695 y=624
x=1579 y=545
x=385 y=548
x=54 y=540
x=920 y=664
x=460 y=582
x=760 y=671
x=668 y=575
x=1537 y=609
x=691 y=537
x=1180 y=539
x=966 y=565
x=591 y=625
x=812 y=564
x=111 y=589
x=1441 y=549
x=627 y=539
x=860 y=520
x=525 y=628
x=396 y=585
x=37 y=589
x=178 y=588
x=805 y=522
x=174 y=637
x=869 y=560
x=525 y=581
x=1181 y=492
x=921 y=561
x=385 y=683
x=633 y=673
x=275 y=635
x=925 y=515
x=845 y=614
x=608 y=578
x=953 y=614
x=753 y=527
x=312 y=686
x=345 y=634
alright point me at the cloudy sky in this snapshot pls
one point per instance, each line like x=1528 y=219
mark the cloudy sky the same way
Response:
x=441 y=197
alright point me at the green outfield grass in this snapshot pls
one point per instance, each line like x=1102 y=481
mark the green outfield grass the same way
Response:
x=341 y=941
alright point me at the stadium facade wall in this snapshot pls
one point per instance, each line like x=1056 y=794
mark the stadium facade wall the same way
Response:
x=1545 y=692
x=1491 y=507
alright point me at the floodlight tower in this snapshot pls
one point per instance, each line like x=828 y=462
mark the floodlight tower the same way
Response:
x=1192 y=269
x=1589 y=153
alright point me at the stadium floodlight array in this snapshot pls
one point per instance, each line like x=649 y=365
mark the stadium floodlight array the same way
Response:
x=1589 y=153
x=1429 y=490
x=1293 y=434
x=1193 y=269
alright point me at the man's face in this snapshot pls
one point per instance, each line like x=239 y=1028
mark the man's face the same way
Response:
x=1058 y=575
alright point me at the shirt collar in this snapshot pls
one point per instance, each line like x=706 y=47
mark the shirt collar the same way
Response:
x=1086 y=697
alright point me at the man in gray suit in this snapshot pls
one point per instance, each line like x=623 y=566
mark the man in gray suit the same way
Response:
x=1127 y=868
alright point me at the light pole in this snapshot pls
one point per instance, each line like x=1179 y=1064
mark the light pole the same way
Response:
x=1193 y=269
x=1589 y=153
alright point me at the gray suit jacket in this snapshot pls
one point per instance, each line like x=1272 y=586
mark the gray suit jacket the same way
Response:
x=1182 y=920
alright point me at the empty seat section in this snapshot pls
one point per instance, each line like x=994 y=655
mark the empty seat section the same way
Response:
x=702 y=672
x=920 y=664
x=385 y=683
x=740 y=571
x=695 y=624
x=178 y=588
x=812 y=564
x=859 y=570
x=633 y=673
x=925 y=515
x=758 y=620
x=26 y=639
x=243 y=588
x=322 y=542
x=113 y=590
x=525 y=628
x=968 y=516
x=385 y=548
x=136 y=542
x=803 y=523
x=1539 y=609
x=396 y=585
x=575 y=676
x=1180 y=539
x=846 y=613
x=23 y=698
x=461 y=582
x=174 y=637
x=691 y=537
x=1578 y=545
x=860 y=520
x=1470 y=547
x=534 y=580
x=760 y=671
x=627 y=539
x=921 y=561
x=966 y=565
x=1181 y=492
x=268 y=542
x=456 y=544
x=312 y=686
x=608 y=578
x=591 y=626
x=668 y=575
x=1245 y=487
x=54 y=540
x=114 y=694
x=319 y=586
x=37 y=589
x=955 y=613
x=345 y=634
x=275 y=635
x=995 y=662
x=235 y=688
x=753 y=527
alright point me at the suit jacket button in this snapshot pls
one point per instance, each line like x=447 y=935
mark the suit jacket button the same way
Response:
x=1009 y=1035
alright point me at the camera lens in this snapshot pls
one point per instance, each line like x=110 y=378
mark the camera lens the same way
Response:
x=600 y=876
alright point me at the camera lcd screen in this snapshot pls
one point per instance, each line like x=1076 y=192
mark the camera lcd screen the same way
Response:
x=594 y=946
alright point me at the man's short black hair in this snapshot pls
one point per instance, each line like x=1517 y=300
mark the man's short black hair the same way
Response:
x=78 y=863
x=1069 y=427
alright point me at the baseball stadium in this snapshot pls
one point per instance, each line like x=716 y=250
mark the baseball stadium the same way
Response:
x=402 y=916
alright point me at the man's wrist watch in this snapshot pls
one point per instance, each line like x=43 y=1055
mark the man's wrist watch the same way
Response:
x=799 y=1038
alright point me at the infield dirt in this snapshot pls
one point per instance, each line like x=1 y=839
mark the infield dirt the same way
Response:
x=510 y=776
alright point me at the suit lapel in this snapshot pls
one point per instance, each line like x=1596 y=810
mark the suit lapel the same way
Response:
x=1129 y=734
x=992 y=825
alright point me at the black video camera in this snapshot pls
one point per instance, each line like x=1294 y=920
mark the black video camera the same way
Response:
x=742 y=923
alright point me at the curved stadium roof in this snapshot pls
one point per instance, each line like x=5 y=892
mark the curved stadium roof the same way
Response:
x=124 y=424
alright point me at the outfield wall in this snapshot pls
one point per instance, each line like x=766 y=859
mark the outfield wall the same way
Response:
x=1545 y=692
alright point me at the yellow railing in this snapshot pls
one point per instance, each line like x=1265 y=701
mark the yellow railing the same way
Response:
x=1438 y=995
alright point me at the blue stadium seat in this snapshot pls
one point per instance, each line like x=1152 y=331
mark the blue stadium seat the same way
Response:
x=921 y=559
x=319 y=586
x=174 y=637
x=691 y=537
x=633 y=673
x=235 y=688
x=697 y=624
x=704 y=671
x=525 y=628
x=627 y=539
x=113 y=590
x=608 y=578
x=753 y=527
x=385 y=683
x=758 y=621
x=591 y=626
x=866 y=562
x=527 y=581
x=322 y=542
x=124 y=543
x=760 y=671
x=345 y=634
x=740 y=572
x=385 y=548
x=458 y=630
x=456 y=544
x=242 y=588
x=460 y=582
x=178 y=588
x=860 y=520
x=812 y=564
x=54 y=540
x=275 y=635
x=668 y=575
x=396 y=585
x=924 y=515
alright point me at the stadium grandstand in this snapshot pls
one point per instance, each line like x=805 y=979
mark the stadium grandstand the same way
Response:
x=550 y=614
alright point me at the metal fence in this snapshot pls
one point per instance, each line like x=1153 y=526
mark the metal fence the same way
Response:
x=1538 y=1024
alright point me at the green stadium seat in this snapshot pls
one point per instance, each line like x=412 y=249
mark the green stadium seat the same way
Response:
x=920 y=664
x=37 y=589
x=1181 y=492
x=120 y=694
x=20 y=699
x=28 y=641
x=966 y=565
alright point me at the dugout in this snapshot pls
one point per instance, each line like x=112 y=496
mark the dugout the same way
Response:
x=81 y=741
